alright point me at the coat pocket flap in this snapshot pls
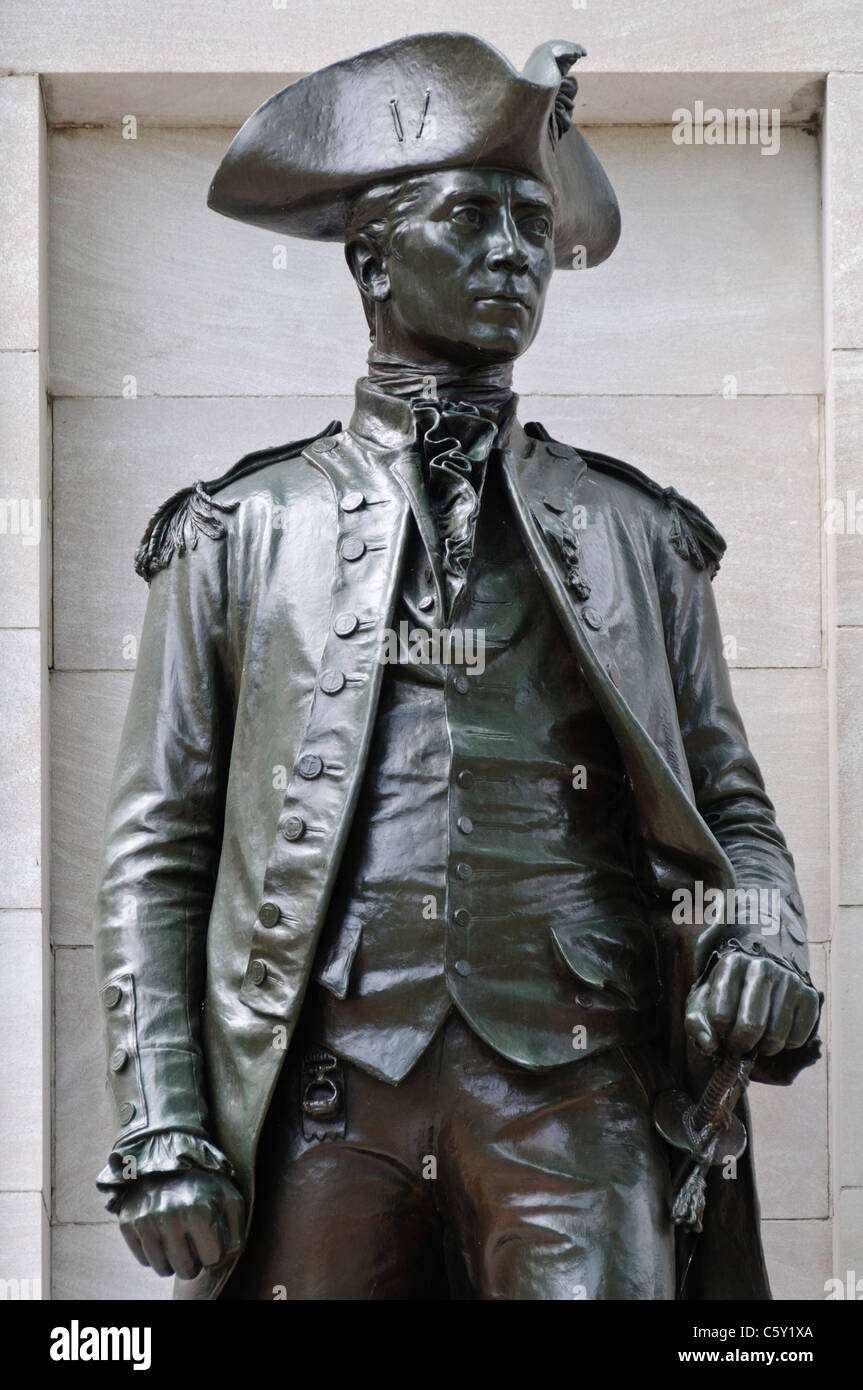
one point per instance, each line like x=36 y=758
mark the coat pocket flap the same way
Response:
x=617 y=953
x=333 y=968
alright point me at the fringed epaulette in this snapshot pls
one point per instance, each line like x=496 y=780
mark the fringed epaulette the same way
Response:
x=194 y=511
x=693 y=535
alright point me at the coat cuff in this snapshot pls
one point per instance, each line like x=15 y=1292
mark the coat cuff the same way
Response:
x=169 y=1151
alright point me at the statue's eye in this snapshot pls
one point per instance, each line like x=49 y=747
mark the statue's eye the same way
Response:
x=538 y=226
x=469 y=216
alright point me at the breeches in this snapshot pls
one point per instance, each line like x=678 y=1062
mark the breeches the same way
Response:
x=473 y=1178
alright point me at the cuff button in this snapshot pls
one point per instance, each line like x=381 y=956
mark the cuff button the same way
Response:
x=126 y=1112
x=112 y=994
x=257 y=972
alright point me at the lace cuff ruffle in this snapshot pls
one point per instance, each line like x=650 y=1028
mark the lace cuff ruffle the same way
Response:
x=169 y=1151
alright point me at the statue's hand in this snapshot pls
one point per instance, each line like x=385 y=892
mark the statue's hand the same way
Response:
x=751 y=1002
x=181 y=1222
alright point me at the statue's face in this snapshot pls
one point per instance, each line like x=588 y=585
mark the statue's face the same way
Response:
x=469 y=266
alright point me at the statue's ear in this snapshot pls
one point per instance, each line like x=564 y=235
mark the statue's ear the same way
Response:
x=366 y=263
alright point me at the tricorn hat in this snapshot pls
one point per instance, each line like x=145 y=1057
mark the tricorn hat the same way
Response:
x=432 y=101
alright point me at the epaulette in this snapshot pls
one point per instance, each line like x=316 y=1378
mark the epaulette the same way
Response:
x=175 y=527
x=693 y=535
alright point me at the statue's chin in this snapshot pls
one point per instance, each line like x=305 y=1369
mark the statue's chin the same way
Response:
x=479 y=352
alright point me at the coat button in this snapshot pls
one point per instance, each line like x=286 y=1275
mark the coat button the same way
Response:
x=614 y=672
x=331 y=682
x=592 y=618
x=353 y=548
x=257 y=972
x=464 y=871
x=346 y=624
x=352 y=501
x=310 y=766
x=584 y=1000
x=465 y=825
x=119 y=1058
x=294 y=828
x=126 y=1113
x=426 y=603
x=466 y=780
x=112 y=994
x=269 y=915
x=463 y=967
x=461 y=917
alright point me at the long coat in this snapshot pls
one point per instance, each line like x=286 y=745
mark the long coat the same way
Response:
x=243 y=667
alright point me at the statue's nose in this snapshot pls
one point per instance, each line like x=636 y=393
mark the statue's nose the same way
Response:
x=507 y=252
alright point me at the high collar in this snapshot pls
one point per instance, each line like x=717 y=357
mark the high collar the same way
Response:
x=389 y=421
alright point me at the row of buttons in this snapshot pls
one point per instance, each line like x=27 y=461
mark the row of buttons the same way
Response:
x=112 y=996
x=331 y=682
x=461 y=917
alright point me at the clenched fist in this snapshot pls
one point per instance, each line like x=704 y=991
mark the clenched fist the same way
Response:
x=751 y=1002
x=179 y=1223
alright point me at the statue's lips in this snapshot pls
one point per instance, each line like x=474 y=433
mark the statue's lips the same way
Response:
x=502 y=301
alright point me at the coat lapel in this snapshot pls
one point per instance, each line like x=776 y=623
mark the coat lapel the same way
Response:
x=546 y=484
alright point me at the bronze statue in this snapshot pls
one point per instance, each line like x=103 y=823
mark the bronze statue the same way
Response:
x=417 y=926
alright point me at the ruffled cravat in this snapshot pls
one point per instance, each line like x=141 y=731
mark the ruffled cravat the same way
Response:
x=454 y=442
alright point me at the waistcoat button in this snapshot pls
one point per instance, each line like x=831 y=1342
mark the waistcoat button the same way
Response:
x=463 y=967
x=352 y=501
x=346 y=624
x=462 y=684
x=353 y=548
x=461 y=917
x=464 y=871
x=592 y=618
x=466 y=779
x=269 y=915
x=331 y=682
x=294 y=828
x=119 y=1058
x=310 y=766
x=465 y=825
x=426 y=603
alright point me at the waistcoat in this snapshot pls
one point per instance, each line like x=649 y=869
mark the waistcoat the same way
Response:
x=490 y=849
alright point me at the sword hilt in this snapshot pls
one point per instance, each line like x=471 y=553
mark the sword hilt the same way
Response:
x=733 y=1071
x=707 y=1132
